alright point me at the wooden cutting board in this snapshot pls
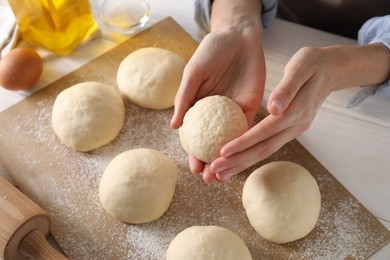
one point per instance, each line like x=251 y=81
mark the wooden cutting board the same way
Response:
x=65 y=183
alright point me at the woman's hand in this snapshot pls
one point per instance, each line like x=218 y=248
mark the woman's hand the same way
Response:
x=306 y=83
x=310 y=75
x=230 y=62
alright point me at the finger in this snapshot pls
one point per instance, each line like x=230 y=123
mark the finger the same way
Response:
x=208 y=176
x=243 y=160
x=224 y=177
x=296 y=74
x=224 y=172
x=265 y=129
x=250 y=117
x=186 y=94
x=196 y=166
x=225 y=168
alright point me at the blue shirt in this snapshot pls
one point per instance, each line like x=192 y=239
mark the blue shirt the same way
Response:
x=375 y=30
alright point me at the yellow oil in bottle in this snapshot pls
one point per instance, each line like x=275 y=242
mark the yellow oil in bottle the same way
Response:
x=56 y=25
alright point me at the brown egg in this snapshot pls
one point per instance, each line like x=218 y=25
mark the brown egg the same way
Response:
x=20 y=69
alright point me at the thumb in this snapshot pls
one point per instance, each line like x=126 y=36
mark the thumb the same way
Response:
x=186 y=95
x=285 y=92
x=280 y=98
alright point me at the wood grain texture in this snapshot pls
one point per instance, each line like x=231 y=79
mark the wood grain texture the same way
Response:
x=65 y=182
x=35 y=246
x=19 y=216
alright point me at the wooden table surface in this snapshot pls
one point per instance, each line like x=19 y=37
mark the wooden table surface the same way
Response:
x=353 y=144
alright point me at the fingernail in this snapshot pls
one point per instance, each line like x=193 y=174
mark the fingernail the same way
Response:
x=225 y=153
x=171 y=122
x=225 y=177
x=276 y=104
x=220 y=169
x=208 y=180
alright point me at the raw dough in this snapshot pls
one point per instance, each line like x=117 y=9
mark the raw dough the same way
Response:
x=88 y=115
x=150 y=77
x=211 y=123
x=138 y=185
x=282 y=201
x=207 y=242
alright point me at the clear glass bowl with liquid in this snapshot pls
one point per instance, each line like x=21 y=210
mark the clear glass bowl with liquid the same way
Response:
x=125 y=16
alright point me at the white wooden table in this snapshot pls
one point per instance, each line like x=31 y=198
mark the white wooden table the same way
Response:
x=354 y=144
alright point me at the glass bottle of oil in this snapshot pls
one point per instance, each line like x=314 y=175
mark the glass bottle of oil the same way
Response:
x=56 y=25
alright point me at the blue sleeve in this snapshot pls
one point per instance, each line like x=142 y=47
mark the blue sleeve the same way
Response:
x=376 y=30
x=203 y=13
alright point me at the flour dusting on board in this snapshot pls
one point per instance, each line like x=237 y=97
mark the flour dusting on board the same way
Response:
x=70 y=183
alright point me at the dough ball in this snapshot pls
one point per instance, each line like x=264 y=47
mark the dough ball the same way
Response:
x=138 y=185
x=207 y=242
x=210 y=124
x=88 y=115
x=282 y=201
x=150 y=77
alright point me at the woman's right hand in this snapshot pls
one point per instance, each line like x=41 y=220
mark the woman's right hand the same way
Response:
x=230 y=62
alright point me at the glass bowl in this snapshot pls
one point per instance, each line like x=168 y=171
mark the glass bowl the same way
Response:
x=125 y=16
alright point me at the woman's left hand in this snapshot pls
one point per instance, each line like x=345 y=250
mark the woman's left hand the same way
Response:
x=308 y=79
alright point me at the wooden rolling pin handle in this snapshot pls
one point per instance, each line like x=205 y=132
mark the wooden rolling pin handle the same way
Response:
x=23 y=226
x=35 y=245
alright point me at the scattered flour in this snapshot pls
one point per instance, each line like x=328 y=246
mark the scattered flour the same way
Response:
x=68 y=190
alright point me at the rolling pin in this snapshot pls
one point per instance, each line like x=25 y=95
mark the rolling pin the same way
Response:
x=23 y=227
